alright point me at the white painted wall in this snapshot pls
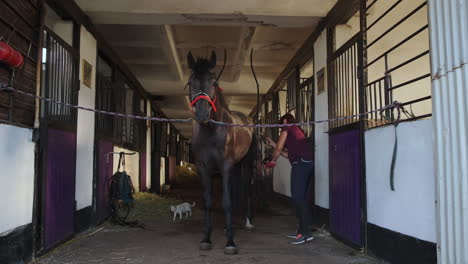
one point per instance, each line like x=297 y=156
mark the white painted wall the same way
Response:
x=345 y=32
x=132 y=165
x=282 y=177
x=410 y=209
x=321 y=137
x=64 y=29
x=148 y=147
x=282 y=171
x=85 y=129
x=162 y=171
x=17 y=177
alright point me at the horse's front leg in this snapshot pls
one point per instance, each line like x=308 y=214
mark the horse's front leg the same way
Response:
x=205 y=244
x=230 y=248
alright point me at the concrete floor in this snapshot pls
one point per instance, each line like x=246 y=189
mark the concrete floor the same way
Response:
x=165 y=241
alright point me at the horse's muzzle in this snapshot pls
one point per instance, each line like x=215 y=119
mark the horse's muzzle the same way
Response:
x=202 y=112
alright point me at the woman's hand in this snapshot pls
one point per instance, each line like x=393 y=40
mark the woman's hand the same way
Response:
x=270 y=164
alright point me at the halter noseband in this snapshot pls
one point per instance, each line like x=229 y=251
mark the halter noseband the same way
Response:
x=204 y=96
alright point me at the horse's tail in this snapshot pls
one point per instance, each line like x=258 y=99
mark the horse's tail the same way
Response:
x=193 y=205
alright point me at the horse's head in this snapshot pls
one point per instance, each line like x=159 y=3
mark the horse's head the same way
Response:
x=202 y=85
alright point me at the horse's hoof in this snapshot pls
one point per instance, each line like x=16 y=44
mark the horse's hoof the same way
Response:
x=248 y=225
x=230 y=250
x=205 y=246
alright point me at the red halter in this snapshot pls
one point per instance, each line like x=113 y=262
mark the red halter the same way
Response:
x=204 y=96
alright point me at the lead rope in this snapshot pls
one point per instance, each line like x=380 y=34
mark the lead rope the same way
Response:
x=395 y=150
x=120 y=160
x=258 y=154
x=399 y=107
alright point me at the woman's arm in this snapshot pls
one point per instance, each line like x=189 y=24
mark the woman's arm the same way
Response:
x=280 y=145
x=272 y=143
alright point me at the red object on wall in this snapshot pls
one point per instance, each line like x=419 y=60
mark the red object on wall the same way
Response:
x=10 y=56
x=6 y=51
x=16 y=60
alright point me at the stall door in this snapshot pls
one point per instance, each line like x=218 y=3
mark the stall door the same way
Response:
x=345 y=186
x=105 y=170
x=59 y=134
x=143 y=172
x=60 y=186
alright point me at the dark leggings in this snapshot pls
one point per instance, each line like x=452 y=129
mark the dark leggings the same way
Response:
x=301 y=173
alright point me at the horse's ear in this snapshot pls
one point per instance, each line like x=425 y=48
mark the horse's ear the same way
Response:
x=190 y=60
x=212 y=60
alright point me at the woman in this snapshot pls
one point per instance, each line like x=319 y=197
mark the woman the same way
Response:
x=299 y=153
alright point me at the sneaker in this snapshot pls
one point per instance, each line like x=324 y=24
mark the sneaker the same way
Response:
x=299 y=239
x=308 y=237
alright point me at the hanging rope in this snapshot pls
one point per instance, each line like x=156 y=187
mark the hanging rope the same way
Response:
x=8 y=88
x=224 y=65
x=258 y=154
x=400 y=109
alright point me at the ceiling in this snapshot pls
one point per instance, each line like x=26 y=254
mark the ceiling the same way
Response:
x=154 y=36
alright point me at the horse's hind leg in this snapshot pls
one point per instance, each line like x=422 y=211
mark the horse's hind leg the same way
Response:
x=230 y=248
x=205 y=244
x=249 y=217
x=248 y=175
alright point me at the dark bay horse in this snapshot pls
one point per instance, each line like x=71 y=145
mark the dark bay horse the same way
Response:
x=215 y=148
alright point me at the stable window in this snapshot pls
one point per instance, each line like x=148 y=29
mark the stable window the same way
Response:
x=398 y=62
x=292 y=91
x=60 y=78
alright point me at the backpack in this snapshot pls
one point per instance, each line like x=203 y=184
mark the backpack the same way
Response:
x=121 y=187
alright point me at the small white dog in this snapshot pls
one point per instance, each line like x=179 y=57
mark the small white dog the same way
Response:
x=181 y=209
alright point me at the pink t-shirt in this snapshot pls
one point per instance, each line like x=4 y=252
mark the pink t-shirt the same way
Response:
x=297 y=144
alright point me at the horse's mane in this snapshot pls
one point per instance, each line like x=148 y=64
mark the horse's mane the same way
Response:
x=221 y=99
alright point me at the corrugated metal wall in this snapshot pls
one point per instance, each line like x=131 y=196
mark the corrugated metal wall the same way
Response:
x=449 y=54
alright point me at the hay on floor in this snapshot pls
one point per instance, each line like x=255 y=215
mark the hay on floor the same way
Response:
x=149 y=205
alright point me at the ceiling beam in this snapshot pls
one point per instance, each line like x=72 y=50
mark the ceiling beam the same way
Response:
x=105 y=17
x=283 y=45
x=145 y=62
x=213 y=9
x=243 y=47
x=135 y=44
x=172 y=53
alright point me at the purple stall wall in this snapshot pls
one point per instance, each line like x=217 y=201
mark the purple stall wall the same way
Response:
x=172 y=169
x=105 y=173
x=345 y=186
x=143 y=172
x=59 y=208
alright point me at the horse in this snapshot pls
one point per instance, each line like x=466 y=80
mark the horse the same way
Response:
x=216 y=147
